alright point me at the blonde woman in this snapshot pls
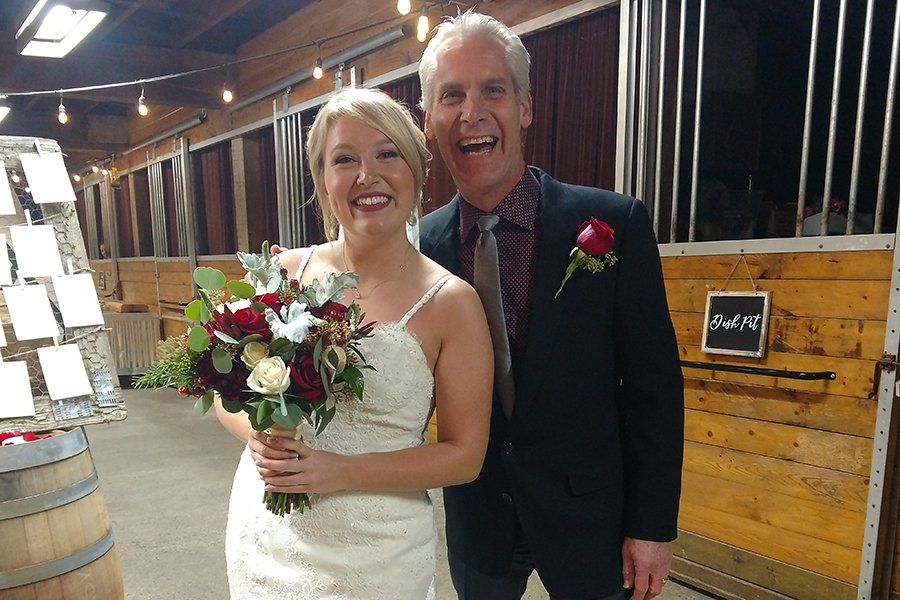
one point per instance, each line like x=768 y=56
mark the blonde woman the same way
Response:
x=370 y=532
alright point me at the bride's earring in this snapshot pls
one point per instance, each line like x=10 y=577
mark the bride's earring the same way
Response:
x=412 y=226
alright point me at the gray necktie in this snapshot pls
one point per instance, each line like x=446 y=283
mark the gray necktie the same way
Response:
x=487 y=284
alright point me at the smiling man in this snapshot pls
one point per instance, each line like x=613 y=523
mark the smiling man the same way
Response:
x=581 y=480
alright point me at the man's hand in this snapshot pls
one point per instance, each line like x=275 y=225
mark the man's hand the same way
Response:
x=645 y=567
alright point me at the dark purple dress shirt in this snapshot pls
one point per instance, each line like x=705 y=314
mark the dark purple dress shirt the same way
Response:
x=516 y=235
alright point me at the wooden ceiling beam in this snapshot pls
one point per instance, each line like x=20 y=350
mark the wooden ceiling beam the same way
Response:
x=109 y=23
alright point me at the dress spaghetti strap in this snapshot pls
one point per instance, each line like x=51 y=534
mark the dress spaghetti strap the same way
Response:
x=434 y=289
x=304 y=261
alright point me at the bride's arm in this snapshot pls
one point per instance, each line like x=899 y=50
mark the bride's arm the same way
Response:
x=236 y=423
x=463 y=376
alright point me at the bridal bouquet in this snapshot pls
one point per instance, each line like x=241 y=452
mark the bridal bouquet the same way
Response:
x=281 y=352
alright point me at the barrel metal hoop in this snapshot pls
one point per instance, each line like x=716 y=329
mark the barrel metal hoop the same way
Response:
x=43 y=452
x=57 y=566
x=53 y=499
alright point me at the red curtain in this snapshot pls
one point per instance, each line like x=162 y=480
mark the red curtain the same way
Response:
x=123 y=212
x=215 y=201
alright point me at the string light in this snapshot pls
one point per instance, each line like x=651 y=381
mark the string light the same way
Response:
x=403 y=7
x=63 y=116
x=318 y=72
x=423 y=27
x=104 y=172
x=76 y=177
x=142 y=108
x=95 y=169
x=15 y=177
x=227 y=95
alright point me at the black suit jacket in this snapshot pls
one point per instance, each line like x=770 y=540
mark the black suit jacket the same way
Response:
x=593 y=450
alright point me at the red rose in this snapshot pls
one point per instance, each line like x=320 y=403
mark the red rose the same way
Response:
x=9 y=434
x=251 y=323
x=305 y=380
x=333 y=311
x=270 y=300
x=595 y=237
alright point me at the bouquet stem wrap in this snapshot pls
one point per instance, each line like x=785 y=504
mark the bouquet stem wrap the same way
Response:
x=282 y=503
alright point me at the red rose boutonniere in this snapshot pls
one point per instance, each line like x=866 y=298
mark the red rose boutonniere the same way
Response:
x=593 y=250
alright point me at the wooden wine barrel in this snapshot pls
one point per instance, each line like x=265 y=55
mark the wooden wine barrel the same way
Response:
x=56 y=536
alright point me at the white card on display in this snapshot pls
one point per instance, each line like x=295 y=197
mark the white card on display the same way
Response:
x=2 y=337
x=7 y=206
x=78 y=300
x=16 y=400
x=37 y=253
x=47 y=177
x=5 y=273
x=64 y=372
x=29 y=309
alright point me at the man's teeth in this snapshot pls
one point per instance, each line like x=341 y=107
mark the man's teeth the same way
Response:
x=478 y=145
x=480 y=140
x=370 y=200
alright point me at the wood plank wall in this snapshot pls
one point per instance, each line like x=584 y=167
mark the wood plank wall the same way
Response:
x=776 y=469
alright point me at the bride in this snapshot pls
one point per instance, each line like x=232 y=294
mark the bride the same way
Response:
x=370 y=531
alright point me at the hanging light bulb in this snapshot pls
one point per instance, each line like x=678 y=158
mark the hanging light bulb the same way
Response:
x=15 y=177
x=76 y=177
x=403 y=7
x=27 y=190
x=227 y=95
x=95 y=169
x=423 y=27
x=318 y=72
x=104 y=172
x=142 y=108
x=63 y=116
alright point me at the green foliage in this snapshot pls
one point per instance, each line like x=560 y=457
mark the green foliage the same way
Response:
x=192 y=310
x=222 y=361
x=203 y=404
x=198 y=339
x=241 y=289
x=209 y=279
x=354 y=378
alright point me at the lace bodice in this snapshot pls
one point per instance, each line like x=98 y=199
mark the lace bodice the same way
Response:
x=349 y=544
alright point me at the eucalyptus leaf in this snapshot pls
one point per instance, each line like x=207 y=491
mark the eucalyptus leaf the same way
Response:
x=264 y=410
x=253 y=337
x=203 y=404
x=209 y=278
x=232 y=406
x=262 y=425
x=258 y=307
x=204 y=313
x=193 y=309
x=198 y=339
x=225 y=337
x=222 y=361
x=317 y=352
x=241 y=289
x=273 y=285
x=293 y=417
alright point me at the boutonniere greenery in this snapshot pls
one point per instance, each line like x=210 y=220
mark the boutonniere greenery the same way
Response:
x=593 y=249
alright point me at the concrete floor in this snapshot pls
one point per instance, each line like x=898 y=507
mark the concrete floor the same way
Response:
x=166 y=476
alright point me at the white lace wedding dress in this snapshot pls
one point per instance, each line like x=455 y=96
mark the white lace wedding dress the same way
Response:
x=349 y=545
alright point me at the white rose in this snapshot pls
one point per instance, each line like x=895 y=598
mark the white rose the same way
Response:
x=253 y=353
x=269 y=376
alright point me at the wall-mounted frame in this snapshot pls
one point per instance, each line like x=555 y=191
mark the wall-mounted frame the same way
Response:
x=736 y=323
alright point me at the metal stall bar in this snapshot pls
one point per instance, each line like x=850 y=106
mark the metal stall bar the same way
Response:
x=110 y=227
x=90 y=213
x=657 y=179
x=695 y=166
x=640 y=190
x=881 y=506
x=296 y=184
x=623 y=103
x=632 y=78
x=158 y=210
x=807 y=119
x=181 y=219
x=832 y=126
x=679 y=102
x=888 y=122
x=187 y=197
x=860 y=115
x=288 y=164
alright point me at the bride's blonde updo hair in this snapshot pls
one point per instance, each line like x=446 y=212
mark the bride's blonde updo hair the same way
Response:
x=375 y=109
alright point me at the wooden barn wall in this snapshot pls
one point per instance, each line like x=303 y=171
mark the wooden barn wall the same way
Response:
x=776 y=470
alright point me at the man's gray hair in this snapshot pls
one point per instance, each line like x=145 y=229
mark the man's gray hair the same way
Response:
x=472 y=24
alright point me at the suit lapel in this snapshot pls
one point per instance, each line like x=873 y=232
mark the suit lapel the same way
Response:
x=442 y=237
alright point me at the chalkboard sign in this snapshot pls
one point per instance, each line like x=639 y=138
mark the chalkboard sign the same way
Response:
x=736 y=323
